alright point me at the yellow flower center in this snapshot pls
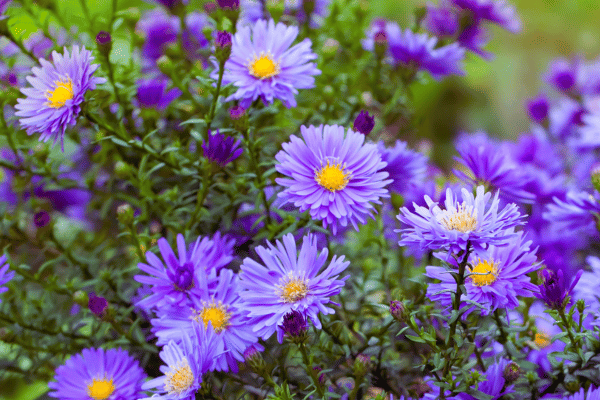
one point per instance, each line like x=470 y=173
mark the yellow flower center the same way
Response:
x=484 y=273
x=100 y=389
x=216 y=314
x=542 y=340
x=462 y=220
x=295 y=289
x=61 y=93
x=264 y=66
x=332 y=177
x=180 y=378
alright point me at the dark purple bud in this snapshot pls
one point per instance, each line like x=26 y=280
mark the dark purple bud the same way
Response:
x=104 y=43
x=232 y=4
x=97 y=304
x=11 y=78
x=221 y=149
x=562 y=74
x=319 y=374
x=364 y=123
x=398 y=310
x=538 y=108
x=237 y=112
x=223 y=46
x=41 y=219
x=294 y=326
x=553 y=290
x=182 y=277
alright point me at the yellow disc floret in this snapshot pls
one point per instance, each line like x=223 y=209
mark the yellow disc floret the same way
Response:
x=542 y=340
x=216 y=314
x=484 y=273
x=180 y=378
x=62 y=92
x=332 y=177
x=100 y=389
x=293 y=290
x=462 y=219
x=263 y=66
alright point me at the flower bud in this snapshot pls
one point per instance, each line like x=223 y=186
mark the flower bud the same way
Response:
x=538 y=108
x=231 y=4
x=398 y=310
x=254 y=359
x=97 y=304
x=104 y=43
x=362 y=365
x=572 y=386
x=223 y=46
x=511 y=372
x=381 y=43
x=210 y=7
x=239 y=117
x=122 y=169
x=165 y=65
x=294 y=327
x=41 y=219
x=80 y=297
x=125 y=214
x=364 y=123
x=319 y=374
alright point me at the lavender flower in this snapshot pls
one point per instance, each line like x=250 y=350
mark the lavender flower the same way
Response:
x=232 y=4
x=335 y=176
x=473 y=38
x=221 y=149
x=441 y=20
x=553 y=290
x=538 y=108
x=5 y=274
x=152 y=93
x=263 y=65
x=98 y=374
x=562 y=74
x=496 y=11
x=469 y=221
x=289 y=281
x=405 y=166
x=53 y=101
x=186 y=361
x=420 y=51
x=160 y=29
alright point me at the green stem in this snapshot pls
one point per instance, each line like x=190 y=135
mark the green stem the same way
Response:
x=567 y=324
x=213 y=106
x=201 y=197
x=309 y=369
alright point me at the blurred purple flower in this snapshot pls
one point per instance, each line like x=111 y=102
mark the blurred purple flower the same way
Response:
x=152 y=93
x=496 y=11
x=405 y=166
x=97 y=304
x=553 y=290
x=441 y=20
x=537 y=108
x=221 y=149
x=562 y=74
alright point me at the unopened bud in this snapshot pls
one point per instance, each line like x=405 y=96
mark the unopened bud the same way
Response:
x=223 y=46
x=122 y=169
x=362 y=365
x=125 y=214
x=104 y=43
x=381 y=43
x=165 y=65
x=294 y=327
x=398 y=310
x=41 y=219
x=239 y=117
x=97 y=304
x=229 y=4
x=364 y=123
x=80 y=297
x=254 y=359
x=511 y=372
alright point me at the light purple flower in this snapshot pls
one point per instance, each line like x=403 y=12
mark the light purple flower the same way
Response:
x=496 y=11
x=263 y=65
x=57 y=91
x=336 y=177
x=575 y=213
x=405 y=166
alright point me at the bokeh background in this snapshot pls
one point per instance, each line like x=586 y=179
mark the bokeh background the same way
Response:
x=490 y=97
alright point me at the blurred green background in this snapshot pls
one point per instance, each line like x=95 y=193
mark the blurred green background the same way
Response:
x=489 y=97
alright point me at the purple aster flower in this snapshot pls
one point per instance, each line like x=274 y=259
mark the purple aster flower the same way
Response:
x=337 y=177
x=364 y=123
x=97 y=304
x=289 y=281
x=565 y=118
x=263 y=65
x=562 y=74
x=575 y=213
x=496 y=276
x=485 y=162
x=316 y=10
x=221 y=149
x=98 y=374
x=418 y=50
x=553 y=290
x=496 y=11
x=473 y=38
x=495 y=384
x=5 y=274
x=160 y=29
x=441 y=20
x=405 y=166
x=538 y=108
x=193 y=39
x=381 y=34
x=587 y=288
x=53 y=101
x=219 y=306
x=153 y=93
x=473 y=220
x=186 y=359
x=175 y=282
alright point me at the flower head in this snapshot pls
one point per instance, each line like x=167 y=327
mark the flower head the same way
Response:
x=496 y=11
x=587 y=288
x=232 y=4
x=263 y=65
x=575 y=213
x=470 y=221
x=5 y=274
x=538 y=108
x=153 y=93
x=218 y=306
x=294 y=325
x=174 y=281
x=288 y=281
x=57 y=91
x=441 y=20
x=553 y=290
x=221 y=149
x=336 y=176
x=495 y=384
x=187 y=359
x=98 y=374
x=405 y=166
x=562 y=74
x=496 y=276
